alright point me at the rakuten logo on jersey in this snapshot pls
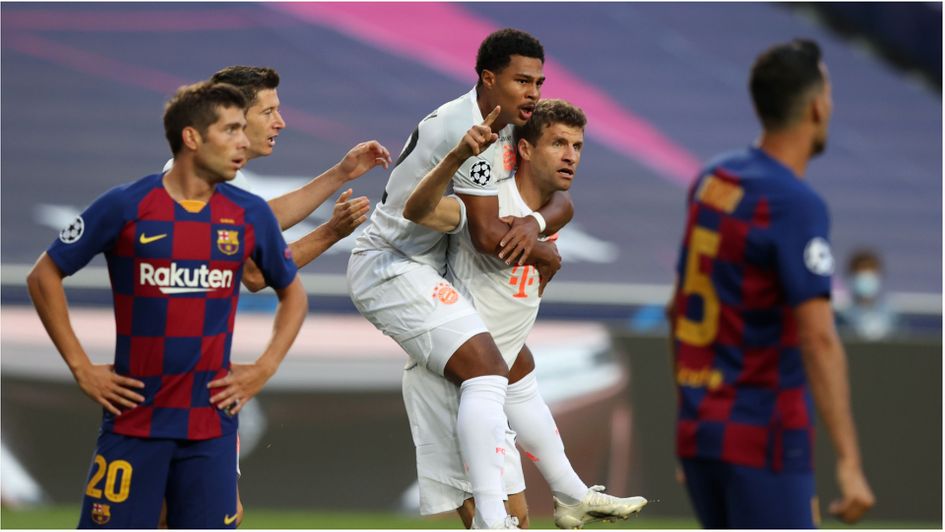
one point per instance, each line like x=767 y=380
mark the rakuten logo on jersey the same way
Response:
x=180 y=280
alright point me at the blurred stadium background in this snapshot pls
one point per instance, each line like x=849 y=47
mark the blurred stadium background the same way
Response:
x=664 y=86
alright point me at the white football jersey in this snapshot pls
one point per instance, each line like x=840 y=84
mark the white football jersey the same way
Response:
x=433 y=138
x=506 y=297
x=238 y=181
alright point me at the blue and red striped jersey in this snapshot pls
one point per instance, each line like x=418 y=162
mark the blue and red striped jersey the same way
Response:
x=755 y=246
x=175 y=279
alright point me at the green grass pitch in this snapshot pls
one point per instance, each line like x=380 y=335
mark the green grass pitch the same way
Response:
x=66 y=517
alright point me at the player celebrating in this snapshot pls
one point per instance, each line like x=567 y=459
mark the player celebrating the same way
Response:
x=395 y=274
x=751 y=315
x=264 y=123
x=507 y=297
x=175 y=246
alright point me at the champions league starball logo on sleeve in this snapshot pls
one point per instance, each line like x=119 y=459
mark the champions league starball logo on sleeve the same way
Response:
x=817 y=257
x=481 y=173
x=73 y=232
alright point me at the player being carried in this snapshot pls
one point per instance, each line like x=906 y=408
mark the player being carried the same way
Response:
x=549 y=150
x=395 y=274
x=175 y=244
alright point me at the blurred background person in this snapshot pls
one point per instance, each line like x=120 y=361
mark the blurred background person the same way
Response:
x=868 y=314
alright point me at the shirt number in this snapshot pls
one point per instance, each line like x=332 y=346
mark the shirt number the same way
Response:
x=702 y=243
x=115 y=491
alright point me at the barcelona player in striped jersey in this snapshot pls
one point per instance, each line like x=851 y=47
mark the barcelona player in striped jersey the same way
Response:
x=175 y=245
x=752 y=326
x=264 y=124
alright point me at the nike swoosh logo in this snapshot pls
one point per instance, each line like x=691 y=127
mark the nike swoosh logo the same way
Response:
x=227 y=520
x=148 y=239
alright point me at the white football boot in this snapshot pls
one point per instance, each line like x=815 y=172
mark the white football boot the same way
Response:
x=596 y=506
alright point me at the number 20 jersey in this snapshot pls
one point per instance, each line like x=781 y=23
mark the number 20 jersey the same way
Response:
x=755 y=246
x=175 y=277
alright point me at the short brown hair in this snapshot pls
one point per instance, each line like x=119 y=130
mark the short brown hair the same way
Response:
x=546 y=113
x=248 y=79
x=197 y=106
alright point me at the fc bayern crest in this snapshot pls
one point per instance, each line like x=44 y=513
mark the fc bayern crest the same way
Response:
x=228 y=241
x=481 y=173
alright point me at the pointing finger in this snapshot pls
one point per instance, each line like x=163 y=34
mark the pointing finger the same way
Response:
x=492 y=116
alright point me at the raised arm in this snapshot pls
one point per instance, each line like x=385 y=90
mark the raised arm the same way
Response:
x=426 y=205
x=346 y=217
x=246 y=380
x=293 y=207
x=98 y=381
x=826 y=365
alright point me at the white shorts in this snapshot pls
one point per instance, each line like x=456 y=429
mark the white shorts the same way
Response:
x=432 y=404
x=418 y=308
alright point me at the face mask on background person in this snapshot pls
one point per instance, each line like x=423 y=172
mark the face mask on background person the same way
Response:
x=865 y=284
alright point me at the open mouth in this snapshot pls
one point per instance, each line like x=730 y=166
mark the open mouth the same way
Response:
x=526 y=111
x=567 y=173
x=271 y=141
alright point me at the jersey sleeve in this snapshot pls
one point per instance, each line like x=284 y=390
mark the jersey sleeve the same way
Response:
x=805 y=262
x=475 y=177
x=93 y=231
x=270 y=253
x=462 y=214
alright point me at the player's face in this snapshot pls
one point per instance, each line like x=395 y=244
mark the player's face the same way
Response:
x=555 y=157
x=222 y=150
x=825 y=103
x=263 y=123
x=517 y=89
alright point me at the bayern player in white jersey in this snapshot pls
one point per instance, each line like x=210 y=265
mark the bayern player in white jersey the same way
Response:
x=507 y=298
x=396 y=271
x=264 y=123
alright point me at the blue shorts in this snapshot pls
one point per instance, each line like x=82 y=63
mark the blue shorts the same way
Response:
x=131 y=477
x=733 y=496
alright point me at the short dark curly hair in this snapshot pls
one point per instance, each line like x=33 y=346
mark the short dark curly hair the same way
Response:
x=547 y=113
x=197 y=106
x=781 y=80
x=248 y=79
x=496 y=50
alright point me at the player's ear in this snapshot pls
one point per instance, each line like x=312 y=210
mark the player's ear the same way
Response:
x=524 y=150
x=191 y=137
x=488 y=78
x=818 y=107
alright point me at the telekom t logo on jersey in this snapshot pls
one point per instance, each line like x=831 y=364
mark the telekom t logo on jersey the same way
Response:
x=523 y=277
x=181 y=280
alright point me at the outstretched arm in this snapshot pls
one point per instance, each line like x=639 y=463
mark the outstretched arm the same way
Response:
x=347 y=216
x=98 y=381
x=426 y=205
x=246 y=380
x=293 y=207
x=826 y=365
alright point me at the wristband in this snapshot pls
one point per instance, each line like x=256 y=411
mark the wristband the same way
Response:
x=540 y=219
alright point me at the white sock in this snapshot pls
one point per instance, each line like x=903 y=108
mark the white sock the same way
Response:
x=480 y=427
x=531 y=419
